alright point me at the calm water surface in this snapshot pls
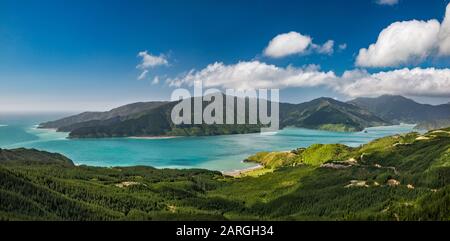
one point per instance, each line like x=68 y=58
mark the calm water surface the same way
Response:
x=223 y=153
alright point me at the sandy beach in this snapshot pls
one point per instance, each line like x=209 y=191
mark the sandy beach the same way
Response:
x=152 y=137
x=37 y=127
x=239 y=172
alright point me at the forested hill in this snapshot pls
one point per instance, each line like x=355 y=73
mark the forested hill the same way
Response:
x=403 y=177
x=120 y=113
x=153 y=119
x=328 y=114
x=400 y=109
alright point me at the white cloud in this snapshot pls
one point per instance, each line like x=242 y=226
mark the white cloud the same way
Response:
x=326 y=48
x=254 y=75
x=387 y=2
x=287 y=44
x=155 y=80
x=149 y=61
x=143 y=75
x=429 y=82
x=408 y=42
x=342 y=46
x=401 y=43
x=444 y=34
x=296 y=43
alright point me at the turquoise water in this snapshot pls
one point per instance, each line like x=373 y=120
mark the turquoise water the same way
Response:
x=223 y=153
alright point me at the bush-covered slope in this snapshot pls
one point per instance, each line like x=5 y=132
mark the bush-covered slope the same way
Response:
x=395 y=178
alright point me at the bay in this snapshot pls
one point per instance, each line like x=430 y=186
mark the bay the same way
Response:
x=222 y=153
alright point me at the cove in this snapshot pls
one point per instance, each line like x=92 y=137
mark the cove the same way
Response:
x=221 y=153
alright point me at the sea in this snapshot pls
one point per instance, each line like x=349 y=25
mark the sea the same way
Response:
x=222 y=153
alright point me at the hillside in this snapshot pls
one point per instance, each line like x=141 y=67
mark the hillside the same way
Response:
x=328 y=114
x=154 y=120
x=123 y=112
x=400 y=109
x=433 y=124
x=403 y=177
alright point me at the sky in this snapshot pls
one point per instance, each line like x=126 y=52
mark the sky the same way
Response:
x=95 y=55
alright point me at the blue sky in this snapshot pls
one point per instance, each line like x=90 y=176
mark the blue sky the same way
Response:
x=83 y=55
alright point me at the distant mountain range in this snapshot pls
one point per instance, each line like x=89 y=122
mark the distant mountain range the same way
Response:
x=153 y=119
x=398 y=109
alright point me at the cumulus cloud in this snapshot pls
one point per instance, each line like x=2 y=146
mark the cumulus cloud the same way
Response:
x=429 y=82
x=295 y=43
x=287 y=44
x=401 y=43
x=444 y=34
x=387 y=2
x=149 y=61
x=408 y=42
x=254 y=75
x=326 y=48
x=342 y=46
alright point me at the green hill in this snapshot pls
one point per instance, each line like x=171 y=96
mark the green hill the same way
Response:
x=328 y=114
x=399 y=109
x=153 y=119
x=117 y=114
x=433 y=124
x=403 y=177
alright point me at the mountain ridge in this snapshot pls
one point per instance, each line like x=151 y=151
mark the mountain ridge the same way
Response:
x=154 y=120
x=120 y=112
x=398 y=109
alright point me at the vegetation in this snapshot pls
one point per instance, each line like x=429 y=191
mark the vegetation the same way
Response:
x=117 y=114
x=399 y=109
x=338 y=128
x=328 y=114
x=403 y=177
x=314 y=155
x=154 y=119
x=433 y=124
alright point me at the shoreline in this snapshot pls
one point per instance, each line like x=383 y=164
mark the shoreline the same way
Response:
x=37 y=127
x=240 y=172
x=151 y=137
